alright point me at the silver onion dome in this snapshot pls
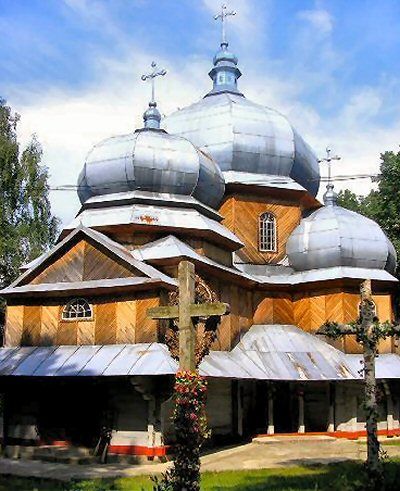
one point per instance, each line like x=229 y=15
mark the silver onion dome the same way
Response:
x=242 y=136
x=334 y=236
x=152 y=160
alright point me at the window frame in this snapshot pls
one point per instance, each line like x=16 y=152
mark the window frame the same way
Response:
x=77 y=319
x=264 y=220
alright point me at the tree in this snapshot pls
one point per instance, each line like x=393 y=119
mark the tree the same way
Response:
x=383 y=204
x=351 y=201
x=368 y=332
x=27 y=227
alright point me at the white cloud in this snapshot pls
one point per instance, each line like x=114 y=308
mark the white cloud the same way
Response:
x=320 y=19
x=247 y=19
x=69 y=122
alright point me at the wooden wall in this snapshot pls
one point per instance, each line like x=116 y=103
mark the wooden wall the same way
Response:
x=241 y=215
x=82 y=262
x=310 y=310
x=114 y=322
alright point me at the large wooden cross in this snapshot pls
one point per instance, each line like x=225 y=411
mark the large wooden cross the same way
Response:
x=368 y=332
x=185 y=313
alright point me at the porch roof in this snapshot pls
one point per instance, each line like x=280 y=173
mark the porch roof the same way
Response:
x=266 y=352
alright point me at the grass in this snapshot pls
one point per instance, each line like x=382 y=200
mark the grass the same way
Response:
x=387 y=442
x=339 y=477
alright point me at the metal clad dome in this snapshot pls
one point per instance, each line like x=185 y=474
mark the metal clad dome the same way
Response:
x=246 y=137
x=334 y=236
x=151 y=160
x=243 y=136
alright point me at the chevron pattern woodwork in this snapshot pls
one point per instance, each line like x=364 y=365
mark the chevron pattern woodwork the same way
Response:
x=146 y=328
x=241 y=215
x=126 y=322
x=14 y=325
x=106 y=324
x=50 y=318
x=67 y=268
x=99 y=266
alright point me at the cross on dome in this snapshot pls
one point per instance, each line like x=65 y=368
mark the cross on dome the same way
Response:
x=222 y=16
x=152 y=116
x=225 y=72
x=330 y=197
x=328 y=159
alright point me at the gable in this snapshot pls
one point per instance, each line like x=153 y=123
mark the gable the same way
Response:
x=82 y=262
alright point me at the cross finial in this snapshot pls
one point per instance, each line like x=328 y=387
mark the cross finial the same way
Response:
x=328 y=159
x=223 y=15
x=330 y=197
x=151 y=76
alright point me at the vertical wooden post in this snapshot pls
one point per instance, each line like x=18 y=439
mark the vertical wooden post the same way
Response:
x=389 y=406
x=187 y=335
x=301 y=427
x=271 y=427
x=374 y=467
x=331 y=410
x=240 y=408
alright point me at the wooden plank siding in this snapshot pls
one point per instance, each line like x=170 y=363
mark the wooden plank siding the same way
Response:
x=67 y=268
x=32 y=325
x=50 y=316
x=82 y=262
x=126 y=322
x=241 y=215
x=106 y=323
x=122 y=322
x=14 y=325
x=147 y=329
x=99 y=266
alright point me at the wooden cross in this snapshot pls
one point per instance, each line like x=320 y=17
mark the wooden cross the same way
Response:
x=185 y=312
x=368 y=332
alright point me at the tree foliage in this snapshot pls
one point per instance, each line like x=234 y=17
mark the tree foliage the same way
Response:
x=27 y=227
x=382 y=204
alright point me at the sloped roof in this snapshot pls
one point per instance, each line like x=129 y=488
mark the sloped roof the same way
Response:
x=266 y=352
x=157 y=217
x=285 y=352
x=170 y=247
x=113 y=247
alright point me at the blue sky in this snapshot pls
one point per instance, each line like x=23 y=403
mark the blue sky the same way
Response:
x=72 y=69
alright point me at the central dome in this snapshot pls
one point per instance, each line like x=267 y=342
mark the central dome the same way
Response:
x=242 y=136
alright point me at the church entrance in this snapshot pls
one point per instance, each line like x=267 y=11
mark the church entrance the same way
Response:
x=72 y=413
x=69 y=410
x=286 y=408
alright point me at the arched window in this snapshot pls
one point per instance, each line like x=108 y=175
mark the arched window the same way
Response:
x=77 y=309
x=267 y=233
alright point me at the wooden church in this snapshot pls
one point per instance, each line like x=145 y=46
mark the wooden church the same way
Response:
x=231 y=186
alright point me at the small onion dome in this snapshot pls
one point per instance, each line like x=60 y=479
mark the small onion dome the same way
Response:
x=151 y=160
x=334 y=236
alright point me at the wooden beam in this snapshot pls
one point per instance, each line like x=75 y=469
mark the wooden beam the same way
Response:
x=195 y=310
x=187 y=334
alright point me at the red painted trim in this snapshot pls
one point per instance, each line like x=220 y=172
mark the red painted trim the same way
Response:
x=138 y=450
x=59 y=443
x=350 y=435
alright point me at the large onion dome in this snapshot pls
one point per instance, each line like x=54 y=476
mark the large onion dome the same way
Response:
x=246 y=139
x=334 y=236
x=152 y=160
